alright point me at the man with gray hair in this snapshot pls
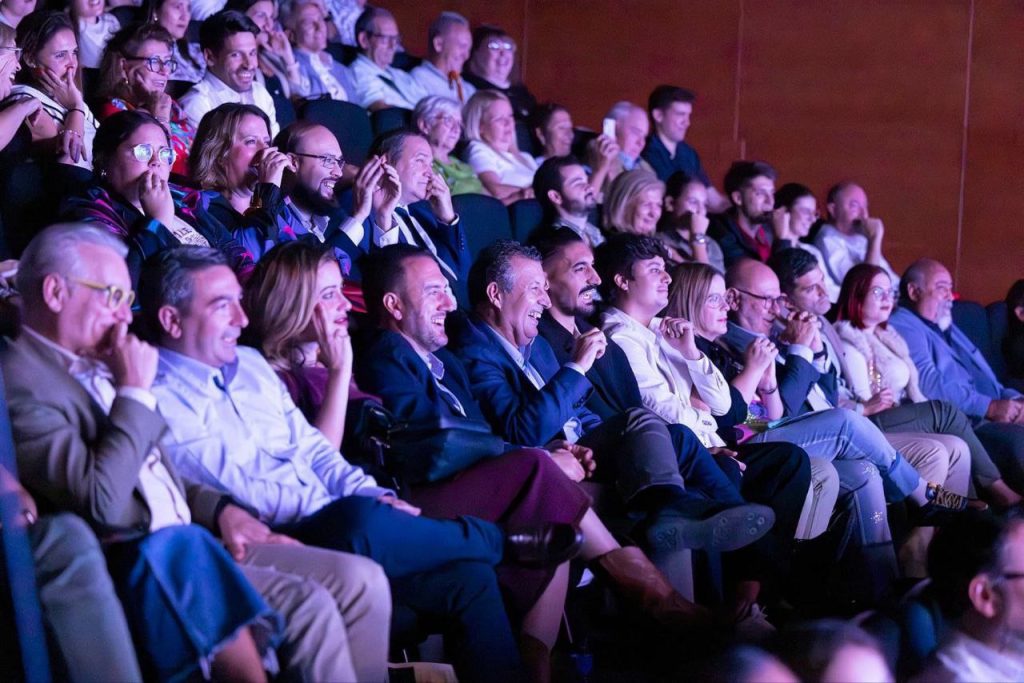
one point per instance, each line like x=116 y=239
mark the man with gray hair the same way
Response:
x=951 y=368
x=448 y=44
x=378 y=85
x=87 y=438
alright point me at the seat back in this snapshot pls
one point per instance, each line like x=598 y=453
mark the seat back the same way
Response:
x=389 y=119
x=997 y=328
x=972 y=319
x=25 y=205
x=347 y=121
x=526 y=215
x=483 y=218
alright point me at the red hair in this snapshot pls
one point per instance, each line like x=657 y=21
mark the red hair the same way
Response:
x=855 y=289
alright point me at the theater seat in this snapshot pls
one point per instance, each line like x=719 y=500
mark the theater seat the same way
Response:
x=346 y=54
x=986 y=327
x=406 y=61
x=484 y=219
x=347 y=121
x=526 y=215
x=176 y=89
x=389 y=119
x=524 y=138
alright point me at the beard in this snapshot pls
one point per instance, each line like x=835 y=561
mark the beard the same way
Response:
x=945 y=320
x=313 y=200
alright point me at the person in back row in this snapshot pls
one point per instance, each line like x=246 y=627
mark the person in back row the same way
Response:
x=379 y=85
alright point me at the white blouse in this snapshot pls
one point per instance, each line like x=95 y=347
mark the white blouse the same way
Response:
x=513 y=168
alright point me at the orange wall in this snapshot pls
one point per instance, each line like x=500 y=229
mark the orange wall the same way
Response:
x=919 y=100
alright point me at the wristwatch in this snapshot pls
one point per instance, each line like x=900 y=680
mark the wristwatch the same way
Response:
x=700 y=238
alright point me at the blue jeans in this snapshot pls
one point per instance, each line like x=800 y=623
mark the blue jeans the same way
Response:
x=839 y=434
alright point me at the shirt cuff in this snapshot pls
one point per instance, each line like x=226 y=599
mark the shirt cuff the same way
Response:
x=353 y=229
x=801 y=351
x=143 y=396
x=575 y=366
x=701 y=364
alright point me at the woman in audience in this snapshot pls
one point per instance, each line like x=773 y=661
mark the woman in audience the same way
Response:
x=95 y=28
x=51 y=75
x=14 y=112
x=440 y=120
x=299 y=320
x=878 y=369
x=134 y=200
x=174 y=16
x=276 y=58
x=1013 y=343
x=552 y=125
x=233 y=161
x=633 y=203
x=13 y=11
x=794 y=225
x=684 y=223
x=490 y=68
x=134 y=74
x=493 y=152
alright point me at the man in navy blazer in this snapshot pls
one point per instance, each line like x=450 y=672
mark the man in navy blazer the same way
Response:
x=531 y=398
x=951 y=368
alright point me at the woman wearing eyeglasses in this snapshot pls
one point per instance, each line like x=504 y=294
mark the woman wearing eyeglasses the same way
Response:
x=490 y=68
x=135 y=200
x=440 y=120
x=136 y=67
x=793 y=225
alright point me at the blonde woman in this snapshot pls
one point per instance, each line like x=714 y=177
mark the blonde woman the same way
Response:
x=505 y=171
x=633 y=203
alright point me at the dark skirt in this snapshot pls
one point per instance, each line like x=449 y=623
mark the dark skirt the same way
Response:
x=185 y=599
x=518 y=489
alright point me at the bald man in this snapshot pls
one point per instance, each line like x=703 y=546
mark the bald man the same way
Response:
x=852 y=234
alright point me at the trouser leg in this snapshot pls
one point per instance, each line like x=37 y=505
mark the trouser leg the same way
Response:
x=926 y=454
x=819 y=502
x=1005 y=443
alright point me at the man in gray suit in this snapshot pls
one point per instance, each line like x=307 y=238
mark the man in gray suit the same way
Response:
x=86 y=434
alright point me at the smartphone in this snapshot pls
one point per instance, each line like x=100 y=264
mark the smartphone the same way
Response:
x=608 y=128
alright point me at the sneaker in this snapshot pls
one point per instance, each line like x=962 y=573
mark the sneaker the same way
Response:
x=730 y=529
x=945 y=498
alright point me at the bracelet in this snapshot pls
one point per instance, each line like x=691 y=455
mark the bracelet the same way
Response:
x=772 y=390
x=80 y=111
x=700 y=239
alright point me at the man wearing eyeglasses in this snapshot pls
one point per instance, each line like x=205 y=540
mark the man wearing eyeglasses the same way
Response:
x=448 y=44
x=745 y=230
x=378 y=85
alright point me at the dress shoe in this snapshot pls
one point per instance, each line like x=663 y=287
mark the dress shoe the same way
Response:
x=730 y=529
x=542 y=546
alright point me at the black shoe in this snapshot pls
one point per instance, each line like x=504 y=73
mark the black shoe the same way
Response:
x=730 y=529
x=542 y=546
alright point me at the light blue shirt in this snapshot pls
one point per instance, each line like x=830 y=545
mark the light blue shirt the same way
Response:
x=237 y=429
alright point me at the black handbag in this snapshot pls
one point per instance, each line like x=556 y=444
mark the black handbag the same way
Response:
x=420 y=454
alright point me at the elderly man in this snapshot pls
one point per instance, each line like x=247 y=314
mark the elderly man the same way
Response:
x=87 y=433
x=378 y=85
x=852 y=234
x=951 y=368
x=745 y=230
x=448 y=44
x=567 y=197
x=232 y=423
x=228 y=39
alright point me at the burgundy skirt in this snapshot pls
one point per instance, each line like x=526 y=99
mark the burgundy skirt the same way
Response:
x=517 y=489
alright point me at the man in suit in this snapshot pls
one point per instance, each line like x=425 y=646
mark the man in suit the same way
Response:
x=87 y=433
x=422 y=212
x=951 y=368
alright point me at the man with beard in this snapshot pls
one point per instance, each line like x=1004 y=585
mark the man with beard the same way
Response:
x=564 y=192
x=228 y=40
x=744 y=231
x=952 y=369
x=853 y=236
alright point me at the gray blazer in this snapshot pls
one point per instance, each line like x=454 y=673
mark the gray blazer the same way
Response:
x=73 y=456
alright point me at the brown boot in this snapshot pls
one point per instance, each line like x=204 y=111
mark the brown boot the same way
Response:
x=536 y=659
x=643 y=584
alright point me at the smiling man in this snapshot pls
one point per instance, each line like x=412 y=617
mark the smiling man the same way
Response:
x=448 y=44
x=228 y=40
x=378 y=85
x=567 y=197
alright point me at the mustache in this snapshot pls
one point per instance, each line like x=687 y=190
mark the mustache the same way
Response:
x=588 y=288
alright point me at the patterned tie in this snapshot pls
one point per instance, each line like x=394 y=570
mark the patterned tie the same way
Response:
x=421 y=239
x=455 y=81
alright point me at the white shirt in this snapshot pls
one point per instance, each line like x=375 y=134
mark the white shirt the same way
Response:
x=434 y=82
x=967 y=659
x=831 y=286
x=843 y=252
x=203 y=9
x=211 y=92
x=372 y=85
x=512 y=168
x=167 y=505
x=385 y=238
x=93 y=37
x=58 y=113
x=666 y=377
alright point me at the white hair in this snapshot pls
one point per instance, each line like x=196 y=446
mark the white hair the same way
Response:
x=55 y=250
x=620 y=110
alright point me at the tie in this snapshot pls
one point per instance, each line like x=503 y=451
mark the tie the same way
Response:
x=454 y=81
x=437 y=370
x=420 y=238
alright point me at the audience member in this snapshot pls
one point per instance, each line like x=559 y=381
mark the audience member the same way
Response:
x=951 y=368
x=448 y=45
x=343 y=15
x=633 y=203
x=684 y=223
x=493 y=152
x=134 y=75
x=552 y=125
x=230 y=49
x=135 y=200
x=94 y=28
x=666 y=150
x=833 y=651
x=319 y=74
x=745 y=230
x=567 y=197
x=796 y=212
x=51 y=75
x=439 y=120
x=286 y=470
x=378 y=85
x=976 y=565
x=278 y=63
x=632 y=127
x=747 y=664
x=852 y=235
x=490 y=68
x=174 y=16
x=1013 y=343
x=13 y=11
x=14 y=113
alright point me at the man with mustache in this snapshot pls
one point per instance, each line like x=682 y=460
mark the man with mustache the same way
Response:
x=952 y=369
x=745 y=230
x=228 y=39
x=567 y=197
x=853 y=235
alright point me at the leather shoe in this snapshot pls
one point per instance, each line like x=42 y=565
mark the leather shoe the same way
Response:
x=730 y=529
x=542 y=546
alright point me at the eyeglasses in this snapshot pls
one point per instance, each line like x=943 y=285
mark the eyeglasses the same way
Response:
x=328 y=161
x=449 y=120
x=395 y=39
x=716 y=301
x=883 y=294
x=144 y=153
x=767 y=301
x=156 y=64
x=115 y=296
x=503 y=45
x=17 y=50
